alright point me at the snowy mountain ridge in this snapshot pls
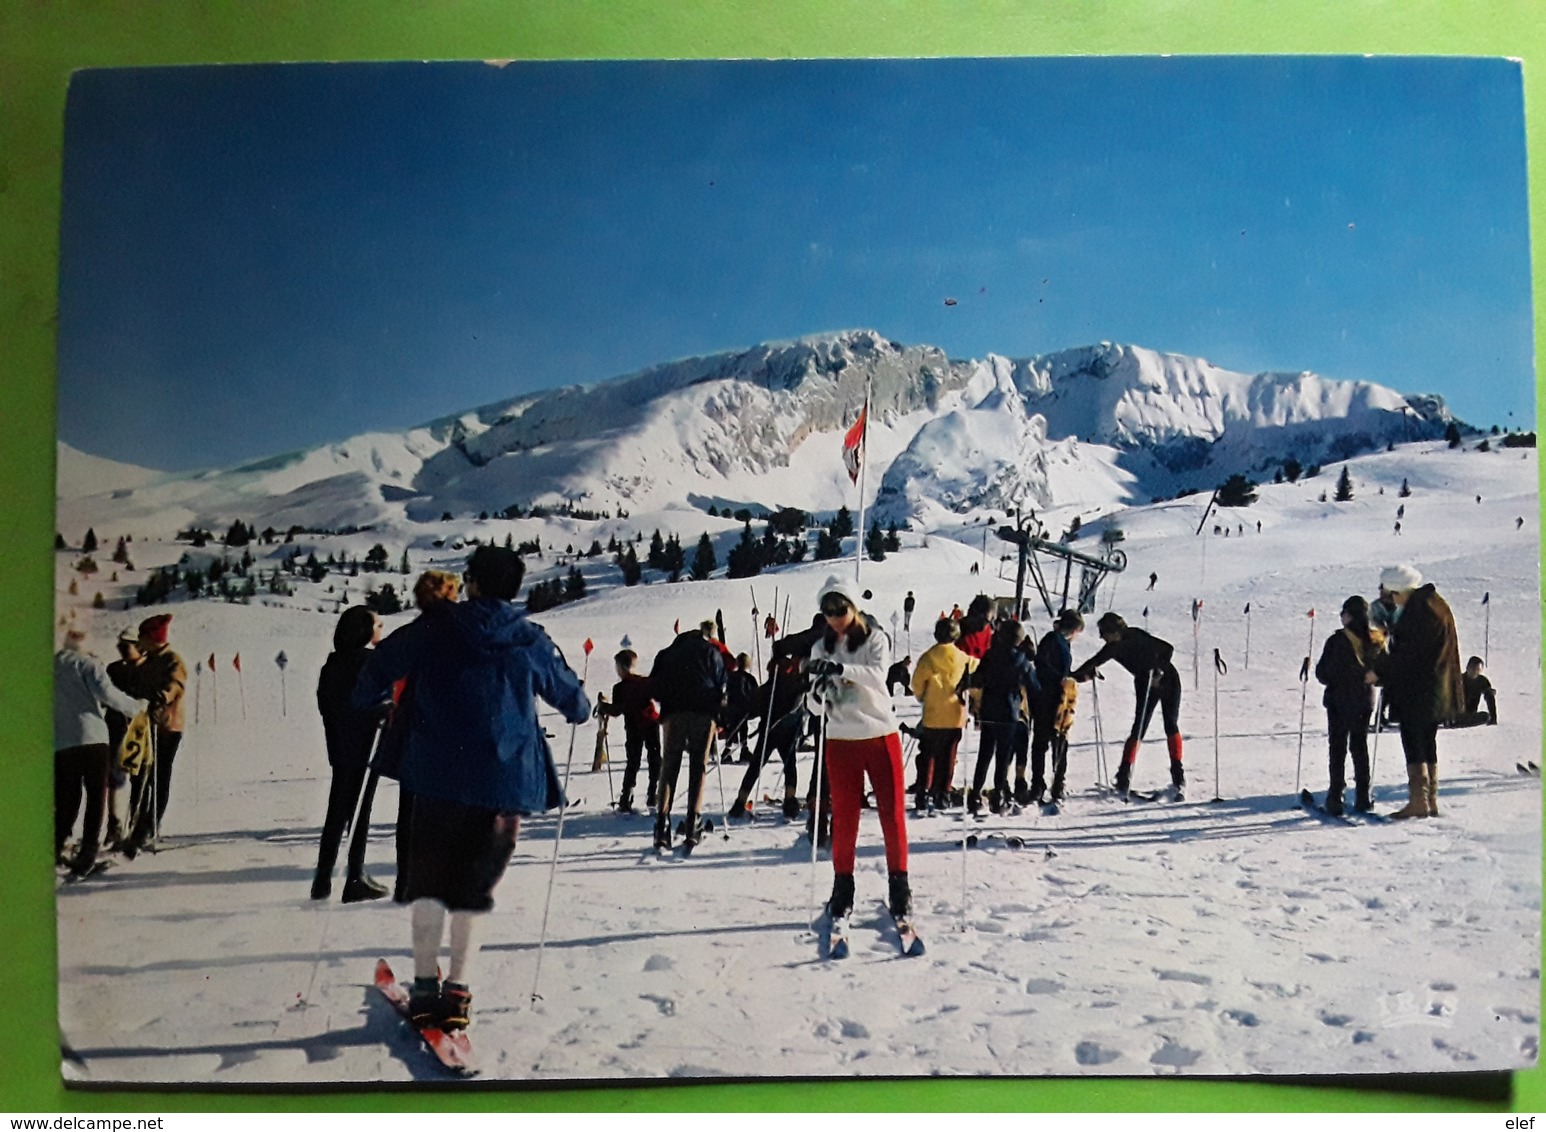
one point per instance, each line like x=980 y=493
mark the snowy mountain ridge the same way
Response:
x=761 y=426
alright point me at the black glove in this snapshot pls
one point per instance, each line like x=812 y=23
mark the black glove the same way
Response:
x=818 y=667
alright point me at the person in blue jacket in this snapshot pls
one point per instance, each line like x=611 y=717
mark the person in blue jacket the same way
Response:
x=1054 y=662
x=476 y=760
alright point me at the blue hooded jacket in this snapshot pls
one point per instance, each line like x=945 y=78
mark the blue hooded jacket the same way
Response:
x=473 y=735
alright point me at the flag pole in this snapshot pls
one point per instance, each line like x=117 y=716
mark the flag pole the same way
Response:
x=864 y=454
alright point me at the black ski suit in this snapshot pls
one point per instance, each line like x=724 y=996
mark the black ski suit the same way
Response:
x=1006 y=679
x=1349 y=702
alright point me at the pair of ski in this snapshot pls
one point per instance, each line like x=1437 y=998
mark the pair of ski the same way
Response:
x=450 y=1048
x=834 y=935
x=1169 y=793
x=1307 y=800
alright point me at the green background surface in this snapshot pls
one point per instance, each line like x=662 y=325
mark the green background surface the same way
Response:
x=41 y=43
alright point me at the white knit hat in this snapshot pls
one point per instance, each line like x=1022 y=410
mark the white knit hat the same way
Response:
x=1399 y=578
x=842 y=586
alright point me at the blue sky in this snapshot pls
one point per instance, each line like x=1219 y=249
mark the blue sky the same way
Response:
x=258 y=259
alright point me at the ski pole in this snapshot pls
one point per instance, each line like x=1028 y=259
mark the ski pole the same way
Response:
x=1379 y=725
x=558 y=836
x=1100 y=735
x=821 y=746
x=969 y=777
x=1304 y=692
x=762 y=735
x=1219 y=669
x=719 y=774
x=606 y=758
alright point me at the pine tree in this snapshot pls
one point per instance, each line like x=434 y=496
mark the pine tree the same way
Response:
x=1237 y=491
x=595 y=549
x=894 y=540
x=828 y=545
x=1292 y=469
x=628 y=562
x=673 y=559
x=89 y=543
x=842 y=524
x=875 y=543
x=656 y=558
x=746 y=557
x=402 y=567
x=1452 y=435
x=121 y=551
x=574 y=584
x=376 y=559
x=1344 y=486
x=1406 y=488
x=703 y=560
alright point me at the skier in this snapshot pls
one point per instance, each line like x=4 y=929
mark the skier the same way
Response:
x=976 y=631
x=1153 y=578
x=1054 y=664
x=1007 y=681
x=641 y=728
x=1347 y=658
x=82 y=759
x=476 y=760
x=899 y=674
x=687 y=680
x=163 y=679
x=955 y=612
x=779 y=703
x=909 y=603
x=1155 y=682
x=124 y=673
x=1422 y=680
x=350 y=734
x=740 y=705
x=1477 y=688
x=848 y=669
x=770 y=626
x=938 y=682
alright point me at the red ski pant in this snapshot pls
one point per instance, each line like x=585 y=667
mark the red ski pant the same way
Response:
x=848 y=761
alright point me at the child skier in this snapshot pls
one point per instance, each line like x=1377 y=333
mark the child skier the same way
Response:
x=1054 y=664
x=641 y=728
x=937 y=682
x=1348 y=657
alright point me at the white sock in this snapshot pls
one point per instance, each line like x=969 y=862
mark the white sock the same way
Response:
x=463 y=948
x=429 y=921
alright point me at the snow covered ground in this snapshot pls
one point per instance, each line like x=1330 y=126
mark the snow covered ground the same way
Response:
x=1237 y=937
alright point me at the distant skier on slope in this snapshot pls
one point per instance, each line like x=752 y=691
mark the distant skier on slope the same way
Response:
x=1349 y=655
x=1155 y=683
x=1422 y=679
x=909 y=603
x=477 y=761
x=847 y=668
x=1054 y=660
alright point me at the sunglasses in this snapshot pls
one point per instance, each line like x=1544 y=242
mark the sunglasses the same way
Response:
x=834 y=608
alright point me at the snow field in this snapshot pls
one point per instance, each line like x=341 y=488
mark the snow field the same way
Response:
x=1243 y=936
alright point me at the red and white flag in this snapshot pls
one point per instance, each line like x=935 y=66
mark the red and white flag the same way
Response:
x=853 y=441
x=236 y=662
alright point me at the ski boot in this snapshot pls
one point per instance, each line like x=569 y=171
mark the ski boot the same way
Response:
x=625 y=803
x=1334 y=803
x=361 y=888
x=455 y=1006
x=841 y=902
x=899 y=896
x=791 y=806
x=321 y=884
x=1364 y=804
x=662 y=831
x=1431 y=782
x=741 y=810
x=1055 y=796
x=113 y=839
x=1123 y=779
x=974 y=802
x=424 y=1002
x=1023 y=792
x=998 y=800
x=692 y=833
x=1178 y=781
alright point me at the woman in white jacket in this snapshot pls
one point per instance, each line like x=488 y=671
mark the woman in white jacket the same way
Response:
x=848 y=686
